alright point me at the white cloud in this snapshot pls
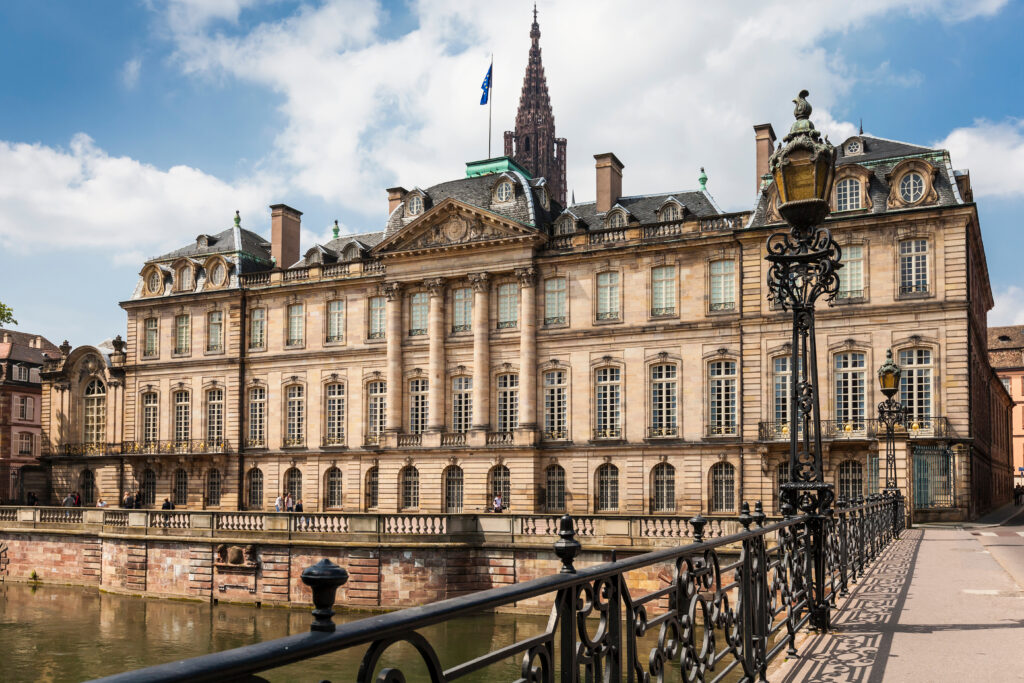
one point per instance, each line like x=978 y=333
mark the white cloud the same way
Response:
x=130 y=72
x=1009 y=307
x=994 y=153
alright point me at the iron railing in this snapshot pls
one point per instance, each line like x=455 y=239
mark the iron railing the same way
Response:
x=719 y=613
x=860 y=429
x=175 y=446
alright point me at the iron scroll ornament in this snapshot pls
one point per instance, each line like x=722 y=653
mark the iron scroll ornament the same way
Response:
x=804 y=267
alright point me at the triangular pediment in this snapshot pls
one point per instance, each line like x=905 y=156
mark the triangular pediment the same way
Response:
x=453 y=224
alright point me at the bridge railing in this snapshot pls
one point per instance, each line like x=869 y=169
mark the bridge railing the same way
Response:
x=719 y=613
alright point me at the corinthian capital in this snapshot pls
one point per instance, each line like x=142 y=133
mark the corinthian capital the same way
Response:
x=435 y=286
x=527 y=276
x=391 y=290
x=480 y=281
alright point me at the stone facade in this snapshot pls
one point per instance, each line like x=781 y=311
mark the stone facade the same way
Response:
x=1006 y=353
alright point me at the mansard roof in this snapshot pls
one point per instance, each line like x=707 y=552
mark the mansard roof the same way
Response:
x=644 y=208
x=227 y=241
x=332 y=251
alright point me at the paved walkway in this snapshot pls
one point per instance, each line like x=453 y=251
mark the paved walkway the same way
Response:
x=942 y=603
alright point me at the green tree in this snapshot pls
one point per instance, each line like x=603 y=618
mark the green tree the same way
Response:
x=7 y=315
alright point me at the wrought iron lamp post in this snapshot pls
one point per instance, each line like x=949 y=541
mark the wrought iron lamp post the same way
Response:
x=804 y=263
x=890 y=413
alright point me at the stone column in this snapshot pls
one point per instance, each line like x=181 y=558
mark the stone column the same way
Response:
x=527 y=348
x=435 y=330
x=393 y=309
x=481 y=352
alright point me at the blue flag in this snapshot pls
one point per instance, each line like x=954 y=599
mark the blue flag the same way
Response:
x=486 y=86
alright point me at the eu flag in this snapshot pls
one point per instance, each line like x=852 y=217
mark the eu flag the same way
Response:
x=486 y=86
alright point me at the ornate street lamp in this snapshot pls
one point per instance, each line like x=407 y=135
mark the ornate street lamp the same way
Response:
x=891 y=413
x=804 y=267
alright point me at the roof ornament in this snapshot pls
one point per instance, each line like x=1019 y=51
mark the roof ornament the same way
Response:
x=703 y=180
x=238 y=219
x=336 y=230
x=861 y=125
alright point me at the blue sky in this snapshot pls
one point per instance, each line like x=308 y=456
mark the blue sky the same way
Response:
x=127 y=128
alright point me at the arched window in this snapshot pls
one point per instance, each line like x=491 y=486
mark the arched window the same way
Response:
x=371 y=488
x=254 y=483
x=500 y=484
x=453 y=489
x=664 y=488
x=409 y=487
x=911 y=187
x=94 y=413
x=332 y=485
x=554 y=494
x=213 y=487
x=851 y=480
x=87 y=487
x=504 y=191
x=723 y=487
x=616 y=219
x=670 y=212
x=147 y=491
x=293 y=483
x=607 y=487
x=848 y=194
x=415 y=205
x=180 y=487
x=185 y=278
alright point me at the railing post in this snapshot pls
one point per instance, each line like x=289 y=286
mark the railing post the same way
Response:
x=566 y=548
x=324 y=578
x=844 y=556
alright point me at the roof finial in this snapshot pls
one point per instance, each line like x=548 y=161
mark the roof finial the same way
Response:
x=862 y=125
x=238 y=219
x=573 y=197
x=703 y=180
x=802 y=110
x=535 y=13
x=336 y=229
x=535 y=29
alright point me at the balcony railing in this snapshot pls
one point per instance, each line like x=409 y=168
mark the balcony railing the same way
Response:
x=557 y=243
x=406 y=440
x=374 y=268
x=860 y=429
x=555 y=434
x=373 y=440
x=336 y=270
x=607 y=236
x=917 y=288
x=332 y=441
x=453 y=439
x=663 y=230
x=554 y=320
x=175 y=446
x=294 y=274
x=728 y=221
x=89 y=449
x=722 y=430
x=663 y=432
x=256 y=279
x=256 y=442
x=500 y=439
x=293 y=442
x=663 y=311
x=608 y=433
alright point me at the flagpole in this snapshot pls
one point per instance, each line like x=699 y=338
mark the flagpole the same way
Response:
x=490 y=105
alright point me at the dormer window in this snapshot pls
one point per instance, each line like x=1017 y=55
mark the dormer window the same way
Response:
x=155 y=282
x=217 y=274
x=565 y=226
x=351 y=252
x=617 y=220
x=185 y=278
x=415 y=205
x=853 y=147
x=911 y=187
x=848 y=194
x=671 y=212
x=504 y=191
x=545 y=203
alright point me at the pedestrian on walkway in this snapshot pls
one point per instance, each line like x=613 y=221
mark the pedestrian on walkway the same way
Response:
x=289 y=503
x=279 y=503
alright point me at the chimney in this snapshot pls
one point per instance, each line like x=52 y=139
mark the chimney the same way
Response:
x=395 y=195
x=764 y=141
x=609 y=180
x=285 y=223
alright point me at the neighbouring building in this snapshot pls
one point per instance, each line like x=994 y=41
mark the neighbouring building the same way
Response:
x=21 y=358
x=1006 y=353
x=618 y=356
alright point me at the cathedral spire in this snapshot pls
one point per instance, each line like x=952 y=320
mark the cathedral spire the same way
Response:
x=533 y=144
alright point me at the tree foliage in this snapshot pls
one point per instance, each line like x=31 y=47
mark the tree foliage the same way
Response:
x=7 y=315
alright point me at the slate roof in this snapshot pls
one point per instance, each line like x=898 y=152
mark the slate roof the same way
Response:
x=223 y=242
x=20 y=349
x=332 y=250
x=644 y=208
x=1006 y=347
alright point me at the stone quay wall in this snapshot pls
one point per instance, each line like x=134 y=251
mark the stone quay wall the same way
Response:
x=393 y=561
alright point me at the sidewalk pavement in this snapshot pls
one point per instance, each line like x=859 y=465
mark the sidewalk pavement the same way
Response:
x=935 y=605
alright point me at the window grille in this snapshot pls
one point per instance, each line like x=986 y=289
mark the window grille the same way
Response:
x=607 y=487
x=293 y=483
x=87 y=486
x=180 y=487
x=554 y=493
x=213 y=486
x=851 y=480
x=723 y=487
x=873 y=474
x=254 y=483
x=410 y=487
x=722 y=395
x=147 y=489
x=664 y=488
x=501 y=484
x=934 y=477
x=371 y=488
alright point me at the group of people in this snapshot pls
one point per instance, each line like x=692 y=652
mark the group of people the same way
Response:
x=285 y=503
x=1018 y=494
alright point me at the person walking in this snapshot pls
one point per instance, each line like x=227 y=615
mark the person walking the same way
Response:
x=279 y=504
x=69 y=500
x=289 y=503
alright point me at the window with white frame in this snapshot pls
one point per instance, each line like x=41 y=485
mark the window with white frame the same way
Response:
x=21 y=373
x=372 y=483
x=508 y=402
x=722 y=398
x=462 y=313
x=418 y=406
x=462 y=404
x=453 y=489
x=258 y=328
x=914 y=266
x=182 y=417
x=851 y=480
x=215 y=417
x=376 y=405
x=554 y=491
x=215 y=331
x=723 y=487
x=500 y=485
x=150 y=417
x=409 y=485
x=782 y=387
x=607 y=403
x=151 y=344
x=565 y=226
x=508 y=305
x=850 y=390
x=332 y=485
x=851 y=275
x=554 y=301
x=607 y=487
x=257 y=417
x=418 y=310
x=616 y=219
x=182 y=334
x=504 y=191
x=25 y=443
x=415 y=206
x=94 y=413
x=555 y=405
x=663 y=290
x=155 y=282
x=911 y=187
x=334 y=414
x=608 y=295
x=376 y=317
x=664 y=487
x=185 y=278
x=671 y=212
x=335 y=321
x=295 y=415
x=664 y=390
x=26 y=408
x=723 y=285
x=848 y=194
x=916 y=383
x=296 y=325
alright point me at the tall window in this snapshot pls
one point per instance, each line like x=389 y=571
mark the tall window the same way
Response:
x=257 y=417
x=508 y=402
x=462 y=316
x=182 y=417
x=376 y=400
x=182 y=334
x=335 y=321
x=462 y=404
x=418 y=406
x=254 y=484
x=555 y=423
x=723 y=487
x=258 y=328
x=215 y=417
x=782 y=383
x=848 y=194
x=25 y=443
x=554 y=492
x=419 y=304
x=913 y=266
x=663 y=290
x=607 y=487
x=332 y=481
x=851 y=275
x=916 y=383
x=849 y=369
x=26 y=408
x=607 y=403
x=722 y=397
x=151 y=345
x=608 y=295
x=376 y=317
x=851 y=480
x=664 y=390
x=508 y=305
x=147 y=489
x=293 y=483
x=295 y=415
x=501 y=484
x=334 y=414
x=453 y=489
x=372 y=482
x=185 y=278
x=664 y=488
x=872 y=486
x=213 y=486
x=409 y=487
x=296 y=325
x=215 y=331
x=180 y=487
x=87 y=485
x=723 y=285
x=554 y=301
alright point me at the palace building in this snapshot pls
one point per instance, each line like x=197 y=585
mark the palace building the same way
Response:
x=618 y=356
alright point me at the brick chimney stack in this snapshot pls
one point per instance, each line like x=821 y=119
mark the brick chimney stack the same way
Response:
x=609 y=180
x=285 y=224
x=764 y=140
x=395 y=195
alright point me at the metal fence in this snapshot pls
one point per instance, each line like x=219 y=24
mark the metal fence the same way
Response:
x=934 y=477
